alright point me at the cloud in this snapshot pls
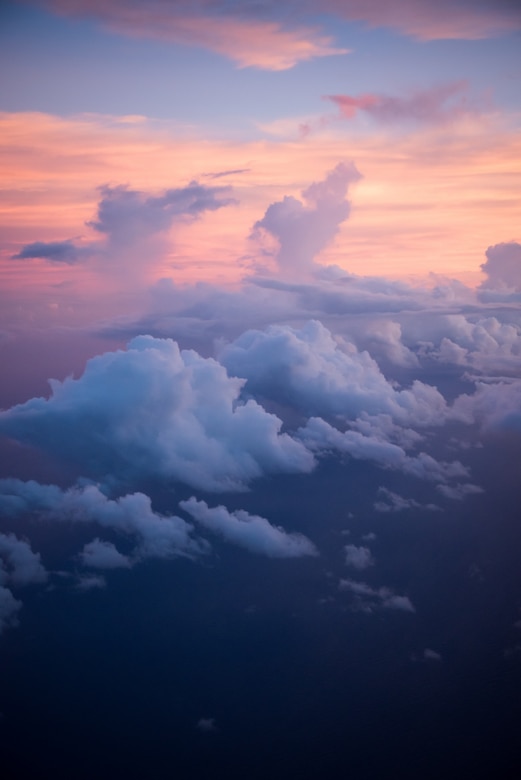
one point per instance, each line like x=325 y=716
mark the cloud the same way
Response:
x=126 y=215
x=303 y=228
x=493 y=406
x=431 y=655
x=9 y=607
x=19 y=565
x=503 y=267
x=155 y=410
x=367 y=599
x=88 y=582
x=322 y=438
x=358 y=557
x=103 y=555
x=249 y=39
x=66 y=252
x=155 y=535
x=206 y=725
x=437 y=104
x=311 y=370
x=249 y=531
x=397 y=503
x=426 y=21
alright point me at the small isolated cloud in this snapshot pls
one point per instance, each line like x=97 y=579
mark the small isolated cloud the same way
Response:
x=249 y=531
x=103 y=555
x=303 y=228
x=358 y=557
x=322 y=438
x=88 y=582
x=206 y=725
x=431 y=655
x=367 y=599
x=495 y=405
x=66 y=252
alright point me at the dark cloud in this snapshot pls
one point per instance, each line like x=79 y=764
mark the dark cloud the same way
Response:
x=358 y=557
x=126 y=215
x=66 y=252
x=367 y=598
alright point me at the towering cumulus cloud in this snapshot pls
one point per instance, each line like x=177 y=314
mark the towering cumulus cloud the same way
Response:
x=303 y=228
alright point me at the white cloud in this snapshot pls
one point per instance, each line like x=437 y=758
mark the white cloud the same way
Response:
x=153 y=409
x=312 y=371
x=249 y=531
x=323 y=438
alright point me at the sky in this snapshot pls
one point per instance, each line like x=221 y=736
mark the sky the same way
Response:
x=260 y=405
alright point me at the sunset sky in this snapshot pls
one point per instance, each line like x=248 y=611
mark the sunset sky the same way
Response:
x=260 y=396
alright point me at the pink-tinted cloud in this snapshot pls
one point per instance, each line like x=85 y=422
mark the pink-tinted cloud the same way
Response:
x=427 y=20
x=303 y=229
x=437 y=104
x=248 y=40
x=503 y=267
x=276 y=36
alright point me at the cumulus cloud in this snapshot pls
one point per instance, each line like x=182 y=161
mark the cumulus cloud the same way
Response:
x=103 y=555
x=495 y=405
x=66 y=252
x=367 y=599
x=309 y=369
x=153 y=409
x=303 y=228
x=321 y=437
x=358 y=557
x=503 y=267
x=156 y=535
x=249 y=531
x=19 y=565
